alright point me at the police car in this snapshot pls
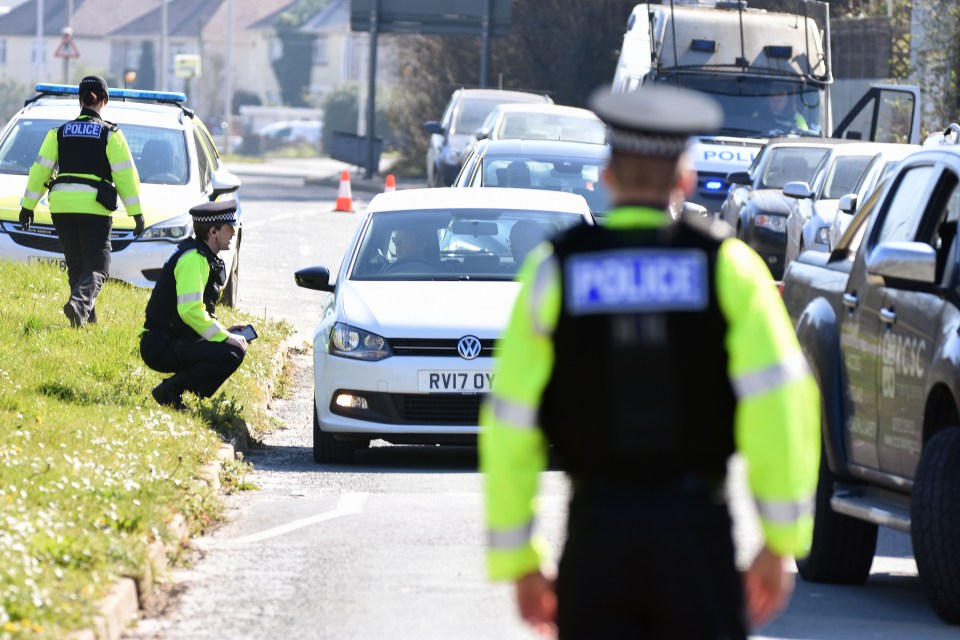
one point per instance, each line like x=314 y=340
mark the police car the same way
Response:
x=404 y=348
x=176 y=158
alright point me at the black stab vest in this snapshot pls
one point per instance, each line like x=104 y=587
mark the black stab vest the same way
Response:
x=640 y=396
x=82 y=145
x=162 y=315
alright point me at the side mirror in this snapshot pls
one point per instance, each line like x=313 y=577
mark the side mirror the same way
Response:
x=433 y=127
x=739 y=177
x=223 y=181
x=915 y=261
x=317 y=278
x=798 y=189
x=481 y=134
x=693 y=209
x=848 y=203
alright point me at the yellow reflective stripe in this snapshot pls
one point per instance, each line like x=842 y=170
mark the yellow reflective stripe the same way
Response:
x=46 y=162
x=121 y=166
x=190 y=297
x=770 y=378
x=33 y=195
x=514 y=414
x=211 y=332
x=509 y=539
x=785 y=512
x=547 y=274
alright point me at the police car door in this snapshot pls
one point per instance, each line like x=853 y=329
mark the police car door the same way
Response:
x=912 y=316
x=885 y=113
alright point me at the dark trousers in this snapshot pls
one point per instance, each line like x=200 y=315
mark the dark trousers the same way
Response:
x=86 y=250
x=649 y=565
x=196 y=364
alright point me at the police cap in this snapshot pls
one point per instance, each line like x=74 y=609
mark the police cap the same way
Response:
x=655 y=121
x=219 y=212
x=95 y=84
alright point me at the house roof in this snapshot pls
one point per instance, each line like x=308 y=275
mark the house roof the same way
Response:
x=332 y=17
x=22 y=20
x=186 y=18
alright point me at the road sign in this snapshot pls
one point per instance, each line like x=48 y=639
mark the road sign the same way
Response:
x=440 y=17
x=67 y=48
x=186 y=65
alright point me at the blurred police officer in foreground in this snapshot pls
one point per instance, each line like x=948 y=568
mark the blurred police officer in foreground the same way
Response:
x=647 y=351
x=90 y=156
x=182 y=335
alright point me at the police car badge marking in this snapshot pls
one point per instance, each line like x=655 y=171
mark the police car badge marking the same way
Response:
x=636 y=281
x=82 y=130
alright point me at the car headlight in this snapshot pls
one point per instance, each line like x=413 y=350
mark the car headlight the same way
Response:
x=823 y=235
x=174 y=229
x=350 y=342
x=774 y=223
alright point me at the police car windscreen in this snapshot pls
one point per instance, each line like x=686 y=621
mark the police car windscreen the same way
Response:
x=21 y=145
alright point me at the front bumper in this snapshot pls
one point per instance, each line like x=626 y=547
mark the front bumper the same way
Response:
x=396 y=404
x=135 y=261
x=769 y=244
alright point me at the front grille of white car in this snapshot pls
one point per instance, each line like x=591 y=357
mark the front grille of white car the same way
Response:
x=413 y=408
x=431 y=347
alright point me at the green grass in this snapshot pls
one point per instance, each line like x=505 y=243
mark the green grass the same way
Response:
x=91 y=468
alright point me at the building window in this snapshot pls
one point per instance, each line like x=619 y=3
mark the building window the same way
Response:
x=320 y=51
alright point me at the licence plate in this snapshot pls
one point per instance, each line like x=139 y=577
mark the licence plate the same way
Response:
x=455 y=381
x=59 y=262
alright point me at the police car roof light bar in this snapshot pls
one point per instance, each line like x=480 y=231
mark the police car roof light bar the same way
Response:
x=122 y=94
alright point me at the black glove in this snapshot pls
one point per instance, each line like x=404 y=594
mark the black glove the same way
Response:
x=138 y=225
x=26 y=218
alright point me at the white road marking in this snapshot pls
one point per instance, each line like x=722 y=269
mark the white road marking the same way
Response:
x=349 y=504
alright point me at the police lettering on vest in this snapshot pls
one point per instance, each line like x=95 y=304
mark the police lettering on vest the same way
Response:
x=637 y=280
x=81 y=129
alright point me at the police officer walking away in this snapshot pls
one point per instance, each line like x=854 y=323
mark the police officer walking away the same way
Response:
x=90 y=156
x=182 y=335
x=647 y=351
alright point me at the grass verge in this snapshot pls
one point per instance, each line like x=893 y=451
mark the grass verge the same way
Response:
x=91 y=469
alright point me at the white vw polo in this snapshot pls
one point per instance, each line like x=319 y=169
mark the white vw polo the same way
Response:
x=404 y=349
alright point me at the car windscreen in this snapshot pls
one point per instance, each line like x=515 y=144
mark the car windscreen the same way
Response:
x=458 y=244
x=569 y=174
x=472 y=113
x=789 y=164
x=551 y=126
x=160 y=155
x=843 y=176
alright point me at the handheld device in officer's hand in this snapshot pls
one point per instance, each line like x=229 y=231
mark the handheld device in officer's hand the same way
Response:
x=248 y=332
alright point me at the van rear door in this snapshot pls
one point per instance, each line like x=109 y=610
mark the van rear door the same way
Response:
x=885 y=113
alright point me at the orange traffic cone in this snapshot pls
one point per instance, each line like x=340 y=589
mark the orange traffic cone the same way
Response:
x=391 y=184
x=344 y=196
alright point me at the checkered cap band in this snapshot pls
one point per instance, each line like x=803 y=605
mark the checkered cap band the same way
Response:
x=230 y=216
x=646 y=144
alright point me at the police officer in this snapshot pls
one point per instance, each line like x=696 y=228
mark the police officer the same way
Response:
x=781 y=112
x=90 y=156
x=182 y=335
x=646 y=351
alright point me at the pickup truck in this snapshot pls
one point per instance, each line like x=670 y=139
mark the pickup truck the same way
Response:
x=879 y=321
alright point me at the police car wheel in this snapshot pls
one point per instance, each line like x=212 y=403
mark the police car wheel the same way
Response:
x=842 y=549
x=935 y=522
x=326 y=448
x=228 y=297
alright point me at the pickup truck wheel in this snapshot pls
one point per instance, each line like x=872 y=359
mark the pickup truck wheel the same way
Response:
x=843 y=547
x=326 y=448
x=935 y=522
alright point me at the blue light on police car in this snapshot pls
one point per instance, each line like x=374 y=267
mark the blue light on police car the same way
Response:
x=713 y=185
x=67 y=89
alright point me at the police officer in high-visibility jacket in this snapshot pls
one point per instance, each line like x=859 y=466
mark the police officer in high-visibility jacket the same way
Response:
x=90 y=156
x=646 y=351
x=181 y=334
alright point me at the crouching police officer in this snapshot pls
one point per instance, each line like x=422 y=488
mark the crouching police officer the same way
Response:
x=182 y=335
x=90 y=156
x=691 y=357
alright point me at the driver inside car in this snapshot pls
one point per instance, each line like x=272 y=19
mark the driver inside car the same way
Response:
x=416 y=250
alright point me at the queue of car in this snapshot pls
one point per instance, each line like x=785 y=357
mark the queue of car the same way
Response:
x=179 y=167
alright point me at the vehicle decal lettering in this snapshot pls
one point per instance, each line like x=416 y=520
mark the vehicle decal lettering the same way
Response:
x=901 y=356
x=636 y=281
x=82 y=130
x=729 y=156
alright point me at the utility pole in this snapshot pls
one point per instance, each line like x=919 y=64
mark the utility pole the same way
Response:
x=68 y=31
x=38 y=57
x=164 y=52
x=228 y=84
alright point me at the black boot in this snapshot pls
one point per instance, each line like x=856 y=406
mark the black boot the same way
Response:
x=76 y=320
x=167 y=395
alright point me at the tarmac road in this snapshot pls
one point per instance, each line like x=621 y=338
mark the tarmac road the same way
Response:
x=391 y=547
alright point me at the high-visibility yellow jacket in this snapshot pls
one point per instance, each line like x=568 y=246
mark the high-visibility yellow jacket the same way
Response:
x=192 y=274
x=79 y=198
x=776 y=423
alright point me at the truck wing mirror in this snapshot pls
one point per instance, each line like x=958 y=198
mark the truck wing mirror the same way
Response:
x=798 y=190
x=913 y=261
